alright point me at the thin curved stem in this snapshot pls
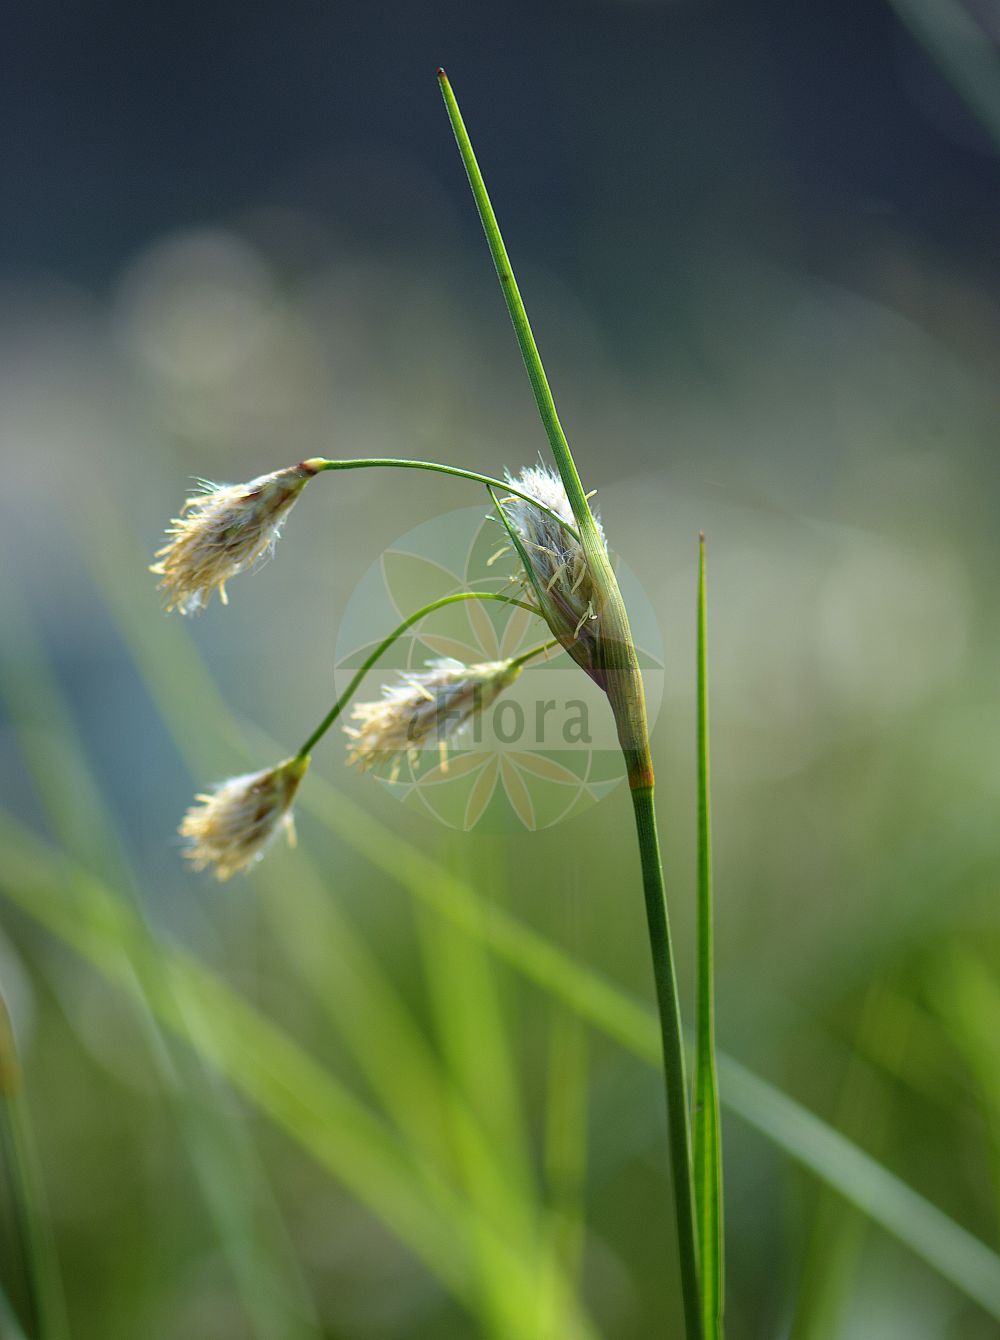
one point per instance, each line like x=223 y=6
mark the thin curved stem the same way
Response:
x=530 y=655
x=387 y=642
x=320 y=463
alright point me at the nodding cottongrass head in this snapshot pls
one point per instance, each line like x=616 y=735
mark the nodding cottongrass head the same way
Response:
x=233 y=826
x=426 y=707
x=560 y=581
x=223 y=530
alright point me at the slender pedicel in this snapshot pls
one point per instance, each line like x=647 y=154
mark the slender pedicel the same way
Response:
x=338 y=707
x=319 y=463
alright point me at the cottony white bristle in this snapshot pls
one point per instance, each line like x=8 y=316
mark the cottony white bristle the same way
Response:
x=232 y=827
x=223 y=530
x=424 y=708
x=559 y=566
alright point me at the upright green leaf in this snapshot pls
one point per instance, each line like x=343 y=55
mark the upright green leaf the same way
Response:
x=707 y=1134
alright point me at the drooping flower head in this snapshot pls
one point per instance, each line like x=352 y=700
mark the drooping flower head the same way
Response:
x=423 y=709
x=223 y=530
x=233 y=826
x=559 y=582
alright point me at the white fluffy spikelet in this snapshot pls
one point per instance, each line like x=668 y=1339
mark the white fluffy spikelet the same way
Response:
x=424 y=708
x=561 y=585
x=232 y=827
x=223 y=530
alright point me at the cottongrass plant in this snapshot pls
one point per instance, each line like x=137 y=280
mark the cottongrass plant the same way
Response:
x=567 y=579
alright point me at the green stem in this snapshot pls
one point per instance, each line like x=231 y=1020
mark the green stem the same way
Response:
x=397 y=633
x=707 y=1134
x=620 y=668
x=319 y=463
x=618 y=672
x=672 y=1041
x=519 y=317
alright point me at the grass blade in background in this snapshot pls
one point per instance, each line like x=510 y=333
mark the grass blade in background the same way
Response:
x=10 y=1326
x=378 y=1027
x=706 y=1133
x=963 y=48
x=417 y=1095
x=565 y=1159
x=257 y=1057
x=271 y=1069
x=433 y=1109
x=965 y=994
x=42 y=1280
x=234 y=1186
x=953 y=1251
x=465 y=992
x=834 y=1248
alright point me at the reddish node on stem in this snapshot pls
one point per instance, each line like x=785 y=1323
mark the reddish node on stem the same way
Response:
x=440 y=73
